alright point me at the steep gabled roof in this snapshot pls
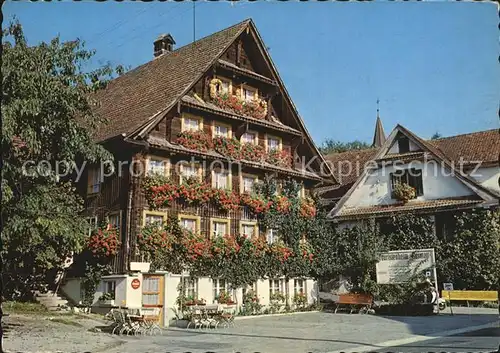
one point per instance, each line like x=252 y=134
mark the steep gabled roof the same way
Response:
x=483 y=193
x=136 y=101
x=131 y=100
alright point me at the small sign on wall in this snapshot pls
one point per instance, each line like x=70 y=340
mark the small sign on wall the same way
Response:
x=448 y=286
x=135 y=283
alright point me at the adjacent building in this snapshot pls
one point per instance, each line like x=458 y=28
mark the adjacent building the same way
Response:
x=447 y=175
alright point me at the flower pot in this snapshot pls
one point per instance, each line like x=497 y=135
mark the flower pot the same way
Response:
x=108 y=302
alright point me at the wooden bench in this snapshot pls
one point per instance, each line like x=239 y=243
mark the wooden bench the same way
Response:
x=353 y=301
x=470 y=295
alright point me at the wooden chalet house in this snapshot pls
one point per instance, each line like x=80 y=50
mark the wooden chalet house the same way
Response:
x=163 y=117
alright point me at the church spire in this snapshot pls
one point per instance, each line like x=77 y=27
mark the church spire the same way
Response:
x=379 y=135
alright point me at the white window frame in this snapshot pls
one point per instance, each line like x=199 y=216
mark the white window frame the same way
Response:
x=251 y=132
x=217 y=287
x=190 y=286
x=147 y=213
x=216 y=125
x=242 y=180
x=186 y=122
x=272 y=235
x=112 y=215
x=229 y=181
x=197 y=166
x=276 y=289
x=151 y=171
x=272 y=137
x=93 y=224
x=214 y=221
x=249 y=224
x=196 y=219
x=109 y=287
x=297 y=286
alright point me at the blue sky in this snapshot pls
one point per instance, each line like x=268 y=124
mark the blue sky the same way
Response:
x=434 y=65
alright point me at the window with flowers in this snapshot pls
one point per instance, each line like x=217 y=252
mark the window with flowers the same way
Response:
x=247 y=183
x=249 y=93
x=220 y=227
x=272 y=236
x=114 y=220
x=249 y=137
x=190 y=286
x=92 y=221
x=190 y=171
x=190 y=223
x=248 y=229
x=221 y=179
x=157 y=166
x=222 y=130
x=157 y=218
x=273 y=143
x=191 y=123
x=218 y=286
x=299 y=286
x=276 y=286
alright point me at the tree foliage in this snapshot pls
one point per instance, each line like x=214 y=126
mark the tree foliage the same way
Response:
x=334 y=146
x=47 y=117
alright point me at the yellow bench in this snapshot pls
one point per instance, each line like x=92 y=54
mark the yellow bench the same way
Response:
x=470 y=295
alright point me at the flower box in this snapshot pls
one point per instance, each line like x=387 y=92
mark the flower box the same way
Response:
x=106 y=302
x=140 y=266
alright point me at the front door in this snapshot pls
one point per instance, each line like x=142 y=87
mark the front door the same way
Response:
x=152 y=296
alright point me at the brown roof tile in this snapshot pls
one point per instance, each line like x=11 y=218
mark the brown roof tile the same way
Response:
x=133 y=98
x=410 y=206
x=356 y=158
x=476 y=146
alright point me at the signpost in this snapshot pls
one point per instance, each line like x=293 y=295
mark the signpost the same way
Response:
x=448 y=287
x=400 y=265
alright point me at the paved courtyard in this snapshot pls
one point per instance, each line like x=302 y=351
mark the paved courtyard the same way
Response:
x=468 y=330
x=324 y=332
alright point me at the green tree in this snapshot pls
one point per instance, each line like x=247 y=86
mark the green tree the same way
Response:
x=334 y=146
x=47 y=117
x=436 y=136
x=471 y=258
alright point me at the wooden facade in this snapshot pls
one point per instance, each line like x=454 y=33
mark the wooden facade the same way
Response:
x=244 y=65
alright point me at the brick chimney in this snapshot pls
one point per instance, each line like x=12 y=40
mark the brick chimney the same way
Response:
x=163 y=44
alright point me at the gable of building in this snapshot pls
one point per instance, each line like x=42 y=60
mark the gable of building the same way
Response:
x=371 y=192
x=142 y=99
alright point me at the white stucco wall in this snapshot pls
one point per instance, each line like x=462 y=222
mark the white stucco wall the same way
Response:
x=376 y=187
x=487 y=177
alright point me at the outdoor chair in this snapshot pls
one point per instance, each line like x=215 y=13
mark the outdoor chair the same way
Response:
x=151 y=321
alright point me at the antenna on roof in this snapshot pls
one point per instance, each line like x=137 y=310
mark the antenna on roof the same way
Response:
x=378 y=101
x=194 y=20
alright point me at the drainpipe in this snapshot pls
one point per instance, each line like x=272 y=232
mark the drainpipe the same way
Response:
x=131 y=190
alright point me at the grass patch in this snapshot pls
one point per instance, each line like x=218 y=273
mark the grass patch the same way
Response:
x=23 y=308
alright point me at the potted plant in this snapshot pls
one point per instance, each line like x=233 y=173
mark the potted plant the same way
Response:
x=404 y=192
x=107 y=299
x=224 y=298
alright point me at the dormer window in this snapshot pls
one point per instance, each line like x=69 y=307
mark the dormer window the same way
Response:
x=411 y=177
x=403 y=144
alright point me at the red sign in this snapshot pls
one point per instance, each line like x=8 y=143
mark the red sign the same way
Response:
x=135 y=283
